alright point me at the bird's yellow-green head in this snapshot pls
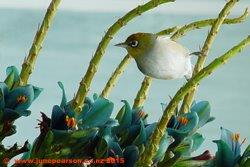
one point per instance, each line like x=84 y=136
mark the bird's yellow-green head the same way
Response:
x=138 y=44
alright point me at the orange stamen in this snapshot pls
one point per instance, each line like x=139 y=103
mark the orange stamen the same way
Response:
x=22 y=99
x=235 y=137
x=183 y=120
x=141 y=114
x=71 y=122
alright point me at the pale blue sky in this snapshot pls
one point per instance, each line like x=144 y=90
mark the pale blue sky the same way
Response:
x=227 y=90
x=179 y=7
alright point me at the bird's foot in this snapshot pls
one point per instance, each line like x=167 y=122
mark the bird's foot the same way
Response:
x=196 y=53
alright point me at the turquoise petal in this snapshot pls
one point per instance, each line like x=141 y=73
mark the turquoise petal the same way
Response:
x=95 y=96
x=141 y=138
x=177 y=135
x=198 y=139
x=37 y=91
x=13 y=69
x=226 y=136
x=3 y=92
x=179 y=132
x=64 y=99
x=165 y=142
x=12 y=76
x=203 y=110
x=224 y=155
x=58 y=118
x=88 y=104
x=99 y=114
x=11 y=99
x=111 y=123
x=124 y=116
x=149 y=129
x=4 y=88
x=131 y=155
x=193 y=120
x=11 y=115
x=192 y=144
x=128 y=135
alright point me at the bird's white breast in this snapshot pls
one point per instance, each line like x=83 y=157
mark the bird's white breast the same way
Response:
x=166 y=60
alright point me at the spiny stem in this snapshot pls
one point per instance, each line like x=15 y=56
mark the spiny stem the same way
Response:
x=180 y=33
x=205 y=23
x=123 y=64
x=205 y=50
x=115 y=76
x=143 y=92
x=29 y=62
x=169 y=31
x=147 y=156
x=83 y=89
x=169 y=111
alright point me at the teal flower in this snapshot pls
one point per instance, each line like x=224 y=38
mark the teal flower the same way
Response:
x=229 y=149
x=134 y=132
x=94 y=113
x=181 y=126
x=62 y=119
x=14 y=102
x=202 y=109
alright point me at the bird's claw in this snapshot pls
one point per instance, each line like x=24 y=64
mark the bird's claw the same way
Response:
x=196 y=53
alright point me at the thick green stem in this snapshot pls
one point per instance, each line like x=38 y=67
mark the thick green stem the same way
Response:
x=115 y=76
x=29 y=62
x=205 y=50
x=143 y=92
x=181 y=32
x=168 y=31
x=204 y=23
x=84 y=87
x=149 y=152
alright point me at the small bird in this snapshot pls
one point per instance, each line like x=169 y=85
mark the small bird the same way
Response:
x=158 y=56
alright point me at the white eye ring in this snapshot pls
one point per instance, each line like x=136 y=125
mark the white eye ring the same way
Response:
x=134 y=44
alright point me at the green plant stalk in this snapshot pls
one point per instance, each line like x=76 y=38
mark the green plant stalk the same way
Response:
x=123 y=64
x=205 y=50
x=115 y=76
x=208 y=22
x=169 y=31
x=145 y=159
x=178 y=34
x=143 y=92
x=29 y=62
x=78 y=101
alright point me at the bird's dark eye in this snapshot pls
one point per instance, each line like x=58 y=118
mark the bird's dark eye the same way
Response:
x=133 y=44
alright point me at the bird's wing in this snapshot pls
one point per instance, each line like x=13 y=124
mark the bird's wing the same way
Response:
x=175 y=45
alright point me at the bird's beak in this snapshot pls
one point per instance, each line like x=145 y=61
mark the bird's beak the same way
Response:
x=123 y=45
